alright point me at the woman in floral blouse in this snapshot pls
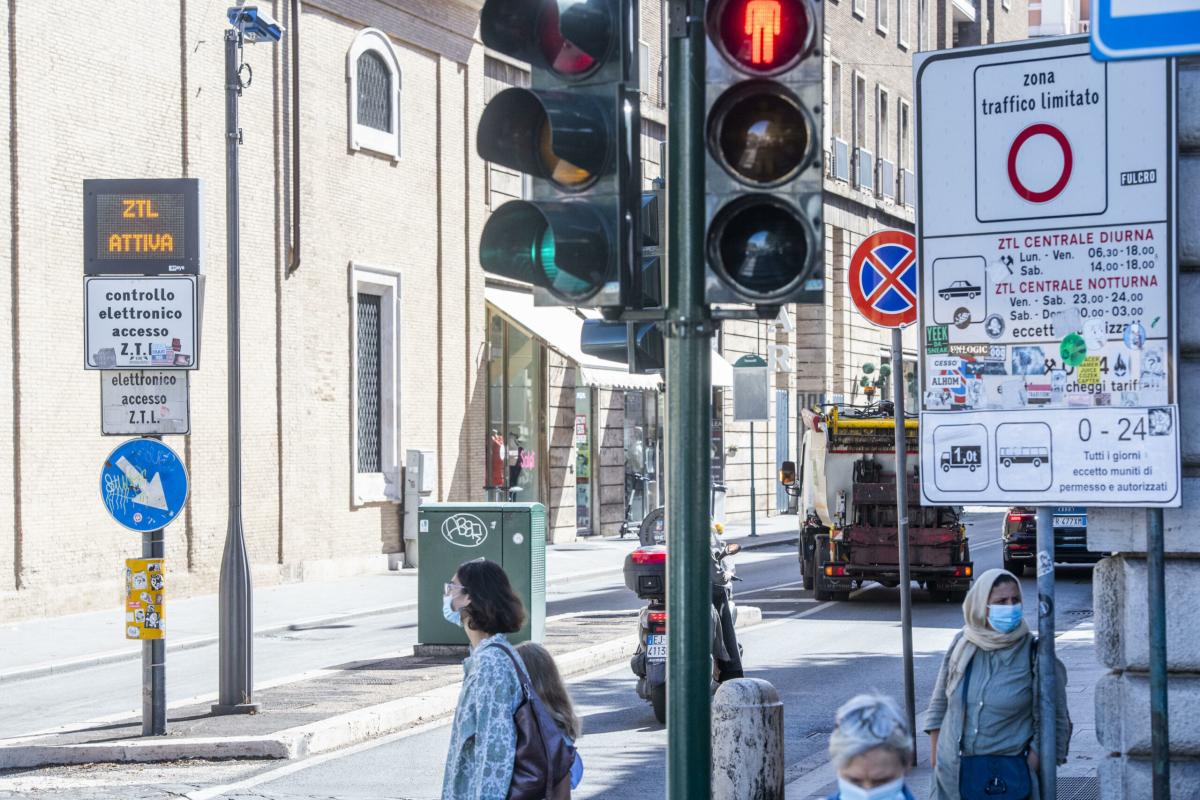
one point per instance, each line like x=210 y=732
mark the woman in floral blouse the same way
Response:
x=483 y=739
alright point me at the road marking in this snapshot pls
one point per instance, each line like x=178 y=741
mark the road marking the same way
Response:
x=770 y=588
x=988 y=543
x=290 y=769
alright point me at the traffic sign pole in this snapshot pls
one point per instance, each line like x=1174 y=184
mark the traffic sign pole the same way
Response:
x=883 y=285
x=154 y=658
x=910 y=696
x=689 y=408
x=1048 y=754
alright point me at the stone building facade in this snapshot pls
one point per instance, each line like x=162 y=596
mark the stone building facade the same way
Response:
x=1120 y=583
x=383 y=279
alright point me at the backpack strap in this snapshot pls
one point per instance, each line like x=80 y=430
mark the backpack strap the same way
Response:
x=522 y=676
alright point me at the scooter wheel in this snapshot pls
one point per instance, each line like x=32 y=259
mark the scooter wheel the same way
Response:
x=658 y=699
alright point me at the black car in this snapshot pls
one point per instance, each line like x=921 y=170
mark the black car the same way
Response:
x=1070 y=537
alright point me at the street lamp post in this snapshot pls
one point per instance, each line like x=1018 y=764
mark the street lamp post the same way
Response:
x=236 y=625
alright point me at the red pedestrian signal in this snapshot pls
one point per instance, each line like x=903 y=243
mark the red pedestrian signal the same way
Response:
x=764 y=36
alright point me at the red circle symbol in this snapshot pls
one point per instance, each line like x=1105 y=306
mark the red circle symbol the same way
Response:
x=1024 y=136
x=883 y=278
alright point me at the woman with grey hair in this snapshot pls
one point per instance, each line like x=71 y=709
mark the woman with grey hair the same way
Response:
x=871 y=748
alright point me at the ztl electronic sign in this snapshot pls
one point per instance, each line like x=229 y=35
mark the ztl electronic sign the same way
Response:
x=141 y=227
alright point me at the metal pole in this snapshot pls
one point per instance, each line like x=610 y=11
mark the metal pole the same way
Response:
x=910 y=692
x=753 y=500
x=236 y=633
x=154 y=658
x=689 y=411
x=1045 y=654
x=1156 y=589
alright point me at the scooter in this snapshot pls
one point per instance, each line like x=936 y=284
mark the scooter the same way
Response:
x=645 y=575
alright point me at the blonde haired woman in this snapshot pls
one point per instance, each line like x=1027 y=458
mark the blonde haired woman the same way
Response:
x=983 y=716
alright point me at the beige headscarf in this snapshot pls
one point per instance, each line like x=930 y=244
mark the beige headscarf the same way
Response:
x=977 y=634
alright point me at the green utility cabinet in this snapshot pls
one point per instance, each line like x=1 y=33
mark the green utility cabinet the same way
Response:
x=511 y=534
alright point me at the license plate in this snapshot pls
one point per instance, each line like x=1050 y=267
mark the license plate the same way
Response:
x=1070 y=522
x=656 y=646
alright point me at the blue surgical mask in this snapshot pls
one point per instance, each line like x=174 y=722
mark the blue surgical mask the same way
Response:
x=452 y=616
x=892 y=790
x=1005 y=618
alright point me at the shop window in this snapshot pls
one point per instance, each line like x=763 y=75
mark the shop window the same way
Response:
x=515 y=424
x=373 y=73
x=375 y=395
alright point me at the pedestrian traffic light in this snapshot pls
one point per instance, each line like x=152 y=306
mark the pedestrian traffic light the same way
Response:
x=576 y=132
x=763 y=181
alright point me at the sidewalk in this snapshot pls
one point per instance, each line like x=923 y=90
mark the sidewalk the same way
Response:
x=1075 y=647
x=38 y=647
x=325 y=711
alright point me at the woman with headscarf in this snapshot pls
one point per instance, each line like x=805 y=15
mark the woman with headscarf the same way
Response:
x=985 y=702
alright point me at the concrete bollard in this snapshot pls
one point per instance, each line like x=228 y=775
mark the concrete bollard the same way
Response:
x=747 y=746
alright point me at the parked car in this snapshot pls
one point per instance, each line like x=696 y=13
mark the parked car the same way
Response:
x=1070 y=537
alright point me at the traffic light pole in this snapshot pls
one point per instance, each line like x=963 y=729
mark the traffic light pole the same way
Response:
x=689 y=408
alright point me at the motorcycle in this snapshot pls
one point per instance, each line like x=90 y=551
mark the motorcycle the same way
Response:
x=645 y=575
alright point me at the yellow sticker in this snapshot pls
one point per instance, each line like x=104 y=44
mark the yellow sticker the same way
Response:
x=145 y=591
x=1088 y=373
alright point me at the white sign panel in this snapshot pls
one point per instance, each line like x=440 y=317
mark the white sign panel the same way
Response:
x=141 y=323
x=1046 y=278
x=144 y=402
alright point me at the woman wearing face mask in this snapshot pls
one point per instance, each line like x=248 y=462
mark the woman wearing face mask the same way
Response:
x=871 y=749
x=985 y=701
x=483 y=738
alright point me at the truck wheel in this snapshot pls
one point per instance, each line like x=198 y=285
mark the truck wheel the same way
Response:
x=1015 y=567
x=945 y=467
x=658 y=699
x=939 y=595
x=957 y=595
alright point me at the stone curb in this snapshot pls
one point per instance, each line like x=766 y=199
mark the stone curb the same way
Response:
x=333 y=733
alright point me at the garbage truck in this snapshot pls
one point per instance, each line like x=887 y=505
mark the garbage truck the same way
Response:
x=846 y=490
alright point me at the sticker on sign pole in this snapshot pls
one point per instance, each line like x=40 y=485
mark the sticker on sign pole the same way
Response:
x=883 y=278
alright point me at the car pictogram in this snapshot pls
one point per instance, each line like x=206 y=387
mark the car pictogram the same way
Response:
x=959 y=289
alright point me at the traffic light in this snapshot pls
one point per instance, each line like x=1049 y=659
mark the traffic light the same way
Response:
x=577 y=133
x=763 y=181
x=639 y=345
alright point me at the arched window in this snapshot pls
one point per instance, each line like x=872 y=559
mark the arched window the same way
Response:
x=373 y=73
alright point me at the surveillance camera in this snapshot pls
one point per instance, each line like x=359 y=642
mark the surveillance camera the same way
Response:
x=255 y=25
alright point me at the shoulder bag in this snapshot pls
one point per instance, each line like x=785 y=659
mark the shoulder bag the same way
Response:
x=990 y=777
x=542 y=767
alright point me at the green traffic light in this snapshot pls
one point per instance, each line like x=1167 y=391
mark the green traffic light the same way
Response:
x=543 y=255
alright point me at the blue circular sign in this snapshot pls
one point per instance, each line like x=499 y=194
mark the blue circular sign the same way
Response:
x=143 y=484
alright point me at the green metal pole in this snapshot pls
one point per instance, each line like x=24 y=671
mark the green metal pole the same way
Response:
x=689 y=409
x=1160 y=746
